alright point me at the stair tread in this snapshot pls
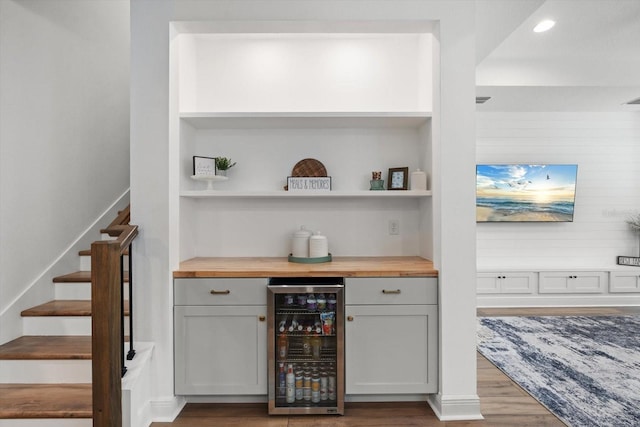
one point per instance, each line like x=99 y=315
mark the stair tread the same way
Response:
x=36 y=347
x=80 y=277
x=64 y=308
x=45 y=401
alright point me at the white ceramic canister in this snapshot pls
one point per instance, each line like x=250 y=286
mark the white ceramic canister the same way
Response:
x=418 y=180
x=300 y=243
x=318 y=245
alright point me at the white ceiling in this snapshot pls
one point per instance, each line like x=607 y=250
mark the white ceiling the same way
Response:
x=590 y=61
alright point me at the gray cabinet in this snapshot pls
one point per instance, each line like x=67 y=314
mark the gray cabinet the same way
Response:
x=220 y=334
x=391 y=336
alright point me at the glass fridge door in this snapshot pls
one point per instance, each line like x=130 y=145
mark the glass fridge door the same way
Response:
x=306 y=351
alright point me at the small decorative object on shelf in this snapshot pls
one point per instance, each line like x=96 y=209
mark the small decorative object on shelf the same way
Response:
x=309 y=183
x=210 y=179
x=398 y=178
x=418 y=180
x=204 y=166
x=308 y=175
x=376 y=183
x=223 y=164
x=634 y=223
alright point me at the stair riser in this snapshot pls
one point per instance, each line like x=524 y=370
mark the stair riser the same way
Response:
x=80 y=291
x=85 y=262
x=61 y=325
x=45 y=371
x=47 y=422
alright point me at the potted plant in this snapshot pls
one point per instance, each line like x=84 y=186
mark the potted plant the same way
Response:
x=223 y=164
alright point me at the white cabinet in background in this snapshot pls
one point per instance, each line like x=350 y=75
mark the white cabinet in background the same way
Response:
x=391 y=336
x=624 y=281
x=572 y=282
x=220 y=337
x=513 y=282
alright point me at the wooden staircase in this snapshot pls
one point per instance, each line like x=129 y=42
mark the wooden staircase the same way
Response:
x=45 y=375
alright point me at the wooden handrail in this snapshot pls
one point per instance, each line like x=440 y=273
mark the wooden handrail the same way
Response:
x=107 y=343
x=122 y=219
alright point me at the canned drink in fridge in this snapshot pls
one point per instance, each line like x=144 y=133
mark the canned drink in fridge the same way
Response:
x=307 y=386
x=315 y=389
x=299 y=385
x=324 y=386
x=331 y=386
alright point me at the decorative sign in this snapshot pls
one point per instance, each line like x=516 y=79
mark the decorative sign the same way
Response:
x=309 y=183
x=204 y=166
x=629 y=260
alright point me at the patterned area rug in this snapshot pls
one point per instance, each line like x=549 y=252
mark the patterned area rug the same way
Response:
x=586 y=370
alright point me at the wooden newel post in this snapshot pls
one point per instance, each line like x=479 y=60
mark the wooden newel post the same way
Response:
x=106 y=326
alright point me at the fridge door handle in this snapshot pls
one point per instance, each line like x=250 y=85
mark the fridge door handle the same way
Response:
x=391 y=291
x=215 y=292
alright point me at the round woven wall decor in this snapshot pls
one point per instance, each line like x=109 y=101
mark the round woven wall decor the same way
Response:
x=309 y=167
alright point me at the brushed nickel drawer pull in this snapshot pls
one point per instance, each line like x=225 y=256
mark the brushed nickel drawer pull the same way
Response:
x=225 y=292
x=387 y=291
x=350 y=318
x=262 y=318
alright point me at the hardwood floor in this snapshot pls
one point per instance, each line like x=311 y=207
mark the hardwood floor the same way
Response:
x=503 y=403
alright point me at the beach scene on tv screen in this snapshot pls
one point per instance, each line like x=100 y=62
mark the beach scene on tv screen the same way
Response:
x=525 y=193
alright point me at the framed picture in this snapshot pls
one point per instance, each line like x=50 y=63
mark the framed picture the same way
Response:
x=204 y=166
x=629 y=260
x=398 y=178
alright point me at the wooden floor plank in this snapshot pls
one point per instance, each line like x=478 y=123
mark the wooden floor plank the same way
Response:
x=45 y=401
x=47 y=347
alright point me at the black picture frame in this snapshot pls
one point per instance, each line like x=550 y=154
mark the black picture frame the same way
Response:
x=398 y=178
x=204 y=164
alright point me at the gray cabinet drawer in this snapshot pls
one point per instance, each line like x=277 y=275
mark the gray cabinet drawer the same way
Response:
x=220 y=291
x=391 y=290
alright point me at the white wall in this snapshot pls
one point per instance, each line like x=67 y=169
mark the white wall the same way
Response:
x=605 y=147
x=154 y=192
x=64 y=130
x=305 y=72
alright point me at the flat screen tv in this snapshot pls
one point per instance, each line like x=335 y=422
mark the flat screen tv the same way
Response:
x=525 y=193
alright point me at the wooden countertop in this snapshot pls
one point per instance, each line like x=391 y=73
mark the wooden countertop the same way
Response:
x=400 y=266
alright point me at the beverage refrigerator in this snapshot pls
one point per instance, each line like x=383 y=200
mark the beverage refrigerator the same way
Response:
x=306 y=345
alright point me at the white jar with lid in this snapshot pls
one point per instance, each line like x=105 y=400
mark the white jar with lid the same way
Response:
x=318 y=245
x=418 y=180
x=300 y=243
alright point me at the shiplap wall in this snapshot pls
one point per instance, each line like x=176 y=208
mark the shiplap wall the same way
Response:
x=606 y=147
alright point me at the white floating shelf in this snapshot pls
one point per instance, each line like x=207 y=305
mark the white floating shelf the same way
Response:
x=270 y=120
x=295 y=194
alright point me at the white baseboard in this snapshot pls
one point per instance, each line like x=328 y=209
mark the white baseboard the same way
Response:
x=455 y=408
x=167 y=409
x=385 y=398
x=600 y=300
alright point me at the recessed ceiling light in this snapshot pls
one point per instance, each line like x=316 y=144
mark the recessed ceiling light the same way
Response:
x=543 y=26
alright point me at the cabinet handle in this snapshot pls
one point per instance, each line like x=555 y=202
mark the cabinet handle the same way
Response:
x=225 y=292
x=350 y=318
x=262 y=318
x=387 y=291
